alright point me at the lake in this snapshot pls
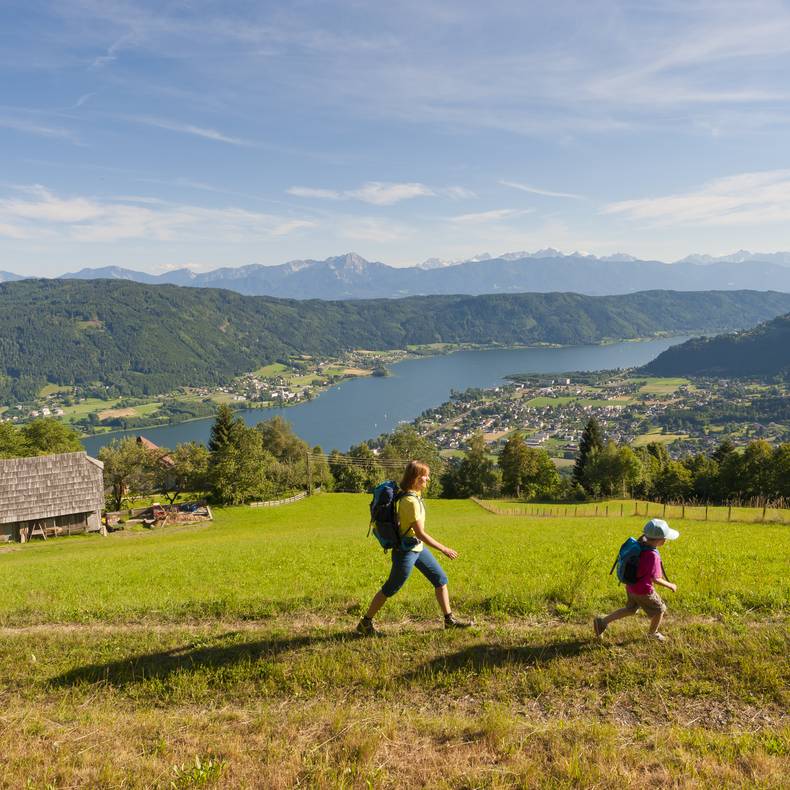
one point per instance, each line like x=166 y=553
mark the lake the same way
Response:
x=362 y=408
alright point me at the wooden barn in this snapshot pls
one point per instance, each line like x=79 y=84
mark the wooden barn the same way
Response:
x=50 y=495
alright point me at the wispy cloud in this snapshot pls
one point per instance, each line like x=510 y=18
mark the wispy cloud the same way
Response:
x=40 y=130
x=86 y=97
x=380 y=193
x=383 y=194
x=112 y=51
x=536 y=191
x=37 y=211
x=487 y=217
x=313 y=192
x=186 y=128
x=744 y=199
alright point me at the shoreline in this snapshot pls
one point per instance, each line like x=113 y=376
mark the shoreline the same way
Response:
x=398 y=355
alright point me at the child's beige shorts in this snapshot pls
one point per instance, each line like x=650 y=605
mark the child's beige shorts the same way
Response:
x=651 y=603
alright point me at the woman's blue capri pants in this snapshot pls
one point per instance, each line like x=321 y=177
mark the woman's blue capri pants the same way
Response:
x=402 y=564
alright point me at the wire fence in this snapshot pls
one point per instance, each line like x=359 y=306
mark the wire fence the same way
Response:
x=766 y=513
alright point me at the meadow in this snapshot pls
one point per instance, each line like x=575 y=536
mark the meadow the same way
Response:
x=224 y=655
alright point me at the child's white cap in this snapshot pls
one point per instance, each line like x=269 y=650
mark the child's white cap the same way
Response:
x=658 y=528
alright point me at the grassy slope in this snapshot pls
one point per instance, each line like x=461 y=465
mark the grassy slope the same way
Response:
x=231 y=642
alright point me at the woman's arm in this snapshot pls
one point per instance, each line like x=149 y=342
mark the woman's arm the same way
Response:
x=419 y=531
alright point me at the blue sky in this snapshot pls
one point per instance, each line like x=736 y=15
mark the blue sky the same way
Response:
x=155 y=135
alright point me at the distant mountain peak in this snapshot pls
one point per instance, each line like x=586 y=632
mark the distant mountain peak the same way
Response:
x=741 y=256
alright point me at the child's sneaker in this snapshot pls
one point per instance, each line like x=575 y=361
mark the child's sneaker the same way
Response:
x=451 y=622
x=599 y=626
x=658 y=636
x=365 y=627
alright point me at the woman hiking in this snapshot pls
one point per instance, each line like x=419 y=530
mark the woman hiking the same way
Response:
x=413 y=551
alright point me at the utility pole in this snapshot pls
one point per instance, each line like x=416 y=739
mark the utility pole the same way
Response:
x=309 y=473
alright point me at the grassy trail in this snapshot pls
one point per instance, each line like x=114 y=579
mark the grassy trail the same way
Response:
x=224 y=656
x=310 y=704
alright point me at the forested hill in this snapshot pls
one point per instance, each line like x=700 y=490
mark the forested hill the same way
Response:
x=762 y=351
x=149 y=339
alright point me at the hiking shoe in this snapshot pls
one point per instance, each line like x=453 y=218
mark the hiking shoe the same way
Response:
x=365 y=627
x=658 y=636
x=599 y=626
x=451 y=622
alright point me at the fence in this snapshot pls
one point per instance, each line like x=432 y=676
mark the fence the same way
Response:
x=632 y=507
x=276 y=502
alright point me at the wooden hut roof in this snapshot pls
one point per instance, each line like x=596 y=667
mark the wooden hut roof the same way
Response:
x=165 y=460
x=49 y=485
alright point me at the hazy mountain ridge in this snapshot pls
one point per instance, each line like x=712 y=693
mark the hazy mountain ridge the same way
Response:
x=761 y=351
x=352 y=277
x=144 y=340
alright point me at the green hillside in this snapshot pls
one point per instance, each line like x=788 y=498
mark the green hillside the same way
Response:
x=223 y=655
x=762 y=351
x=146 y=339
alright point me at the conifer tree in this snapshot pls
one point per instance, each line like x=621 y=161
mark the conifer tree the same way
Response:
x=223 y=429
x=591 y=441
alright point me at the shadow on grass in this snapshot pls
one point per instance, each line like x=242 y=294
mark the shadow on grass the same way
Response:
x=209 y=653
x=482 y=656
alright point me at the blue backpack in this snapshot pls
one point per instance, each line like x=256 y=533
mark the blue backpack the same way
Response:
x=384 y=519
x=627 y=561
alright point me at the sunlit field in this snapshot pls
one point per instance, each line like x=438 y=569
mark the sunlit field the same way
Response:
x=224 y=655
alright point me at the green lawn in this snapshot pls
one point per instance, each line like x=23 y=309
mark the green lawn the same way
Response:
x=85 y=407
x=661 y=386
x=656 y=435
x=127 y=658
x=275 y=369
x=542 y=400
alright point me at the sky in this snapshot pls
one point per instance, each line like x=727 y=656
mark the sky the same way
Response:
x=158 y=135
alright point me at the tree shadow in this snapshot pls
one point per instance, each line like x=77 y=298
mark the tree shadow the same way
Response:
x=203 y=652
x=482 y=656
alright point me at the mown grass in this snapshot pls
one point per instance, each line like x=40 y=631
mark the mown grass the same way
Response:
x=314 y=557
x=223 y=655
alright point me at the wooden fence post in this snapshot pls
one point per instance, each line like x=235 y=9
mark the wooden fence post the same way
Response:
x=729 y=512
x=765 y=505
x=683 y=510
x=575 y=509
x=664 y=512
x=621 y=508
x=607 y=511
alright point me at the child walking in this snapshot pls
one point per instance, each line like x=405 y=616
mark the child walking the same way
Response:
x=641 y=594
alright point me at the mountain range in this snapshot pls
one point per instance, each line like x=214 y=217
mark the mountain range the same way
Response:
x=138 y=339
x=350 y=276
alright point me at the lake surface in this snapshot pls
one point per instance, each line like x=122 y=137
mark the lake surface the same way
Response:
x=362 y=408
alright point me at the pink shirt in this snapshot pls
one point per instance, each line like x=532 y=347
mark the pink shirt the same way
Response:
x=649 y=568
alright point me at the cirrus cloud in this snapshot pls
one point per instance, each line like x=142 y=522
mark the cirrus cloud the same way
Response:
x=38 y=212
x=383 y=193
x=486 y=217
x=743 y=199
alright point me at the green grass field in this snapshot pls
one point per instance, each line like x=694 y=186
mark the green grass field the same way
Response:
x=662 y=386
x=223 y=655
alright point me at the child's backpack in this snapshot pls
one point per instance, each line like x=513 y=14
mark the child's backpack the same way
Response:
x=627 y=561
x=384 y=519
